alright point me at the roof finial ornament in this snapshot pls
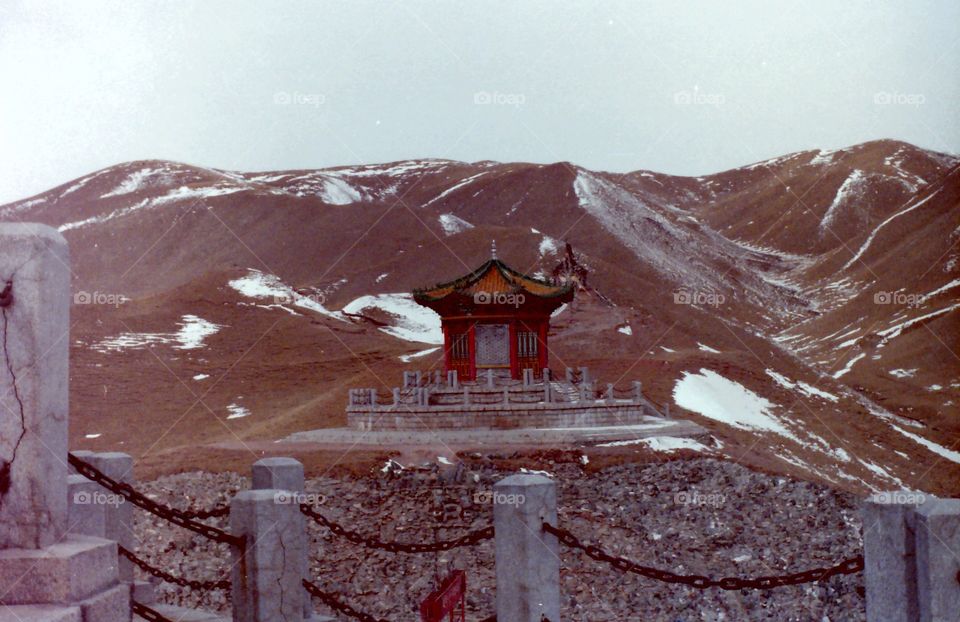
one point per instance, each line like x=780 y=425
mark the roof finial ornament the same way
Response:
x=493 y=249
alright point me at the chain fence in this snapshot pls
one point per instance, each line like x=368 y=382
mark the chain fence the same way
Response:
x=221 y=584
x=469 y=539
x=331 y=601
x=851 y=565
x=187 y=520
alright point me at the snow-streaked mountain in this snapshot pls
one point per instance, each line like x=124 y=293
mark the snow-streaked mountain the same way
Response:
x=817 y=290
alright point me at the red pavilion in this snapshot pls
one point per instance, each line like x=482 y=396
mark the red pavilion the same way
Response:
x=495 y=318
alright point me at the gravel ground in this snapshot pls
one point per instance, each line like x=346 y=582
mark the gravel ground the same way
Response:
x=698 y=516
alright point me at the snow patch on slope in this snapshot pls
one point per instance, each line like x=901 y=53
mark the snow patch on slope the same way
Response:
x=803 y=387
x=414 y=322
x=848 y=189
x=936 y=448
x=666 y=444
x=257 y=284
x=453 y=224
x=193 y=331
x=711 y=395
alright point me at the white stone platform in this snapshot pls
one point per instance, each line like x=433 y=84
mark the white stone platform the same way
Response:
x=650 y=426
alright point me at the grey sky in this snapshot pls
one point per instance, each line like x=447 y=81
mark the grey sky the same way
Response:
x=677 y=87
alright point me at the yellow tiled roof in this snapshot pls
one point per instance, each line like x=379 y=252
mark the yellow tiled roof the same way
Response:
x=494 y=276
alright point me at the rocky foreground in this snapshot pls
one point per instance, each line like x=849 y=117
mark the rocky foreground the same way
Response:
x=698 y=516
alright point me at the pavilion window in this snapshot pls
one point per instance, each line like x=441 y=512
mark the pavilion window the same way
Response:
x=460 y=346
x=526 y=344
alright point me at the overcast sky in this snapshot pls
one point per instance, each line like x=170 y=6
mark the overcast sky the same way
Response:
x=678 y=87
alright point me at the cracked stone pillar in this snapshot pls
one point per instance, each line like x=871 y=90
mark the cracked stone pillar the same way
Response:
x=268 y=568
x=34 y=335
x=46 y=573
x=286 y=474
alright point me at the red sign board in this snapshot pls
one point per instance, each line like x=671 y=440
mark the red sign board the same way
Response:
x=444 y=600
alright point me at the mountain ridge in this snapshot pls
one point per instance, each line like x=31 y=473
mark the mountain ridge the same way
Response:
x=759 y=265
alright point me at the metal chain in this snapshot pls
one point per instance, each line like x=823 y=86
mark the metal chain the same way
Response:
x=177 y=517
x=331 y=601
x=222 y=584
x=847 y=566
x=470 y=539
x=147 y=613
x=218 y=512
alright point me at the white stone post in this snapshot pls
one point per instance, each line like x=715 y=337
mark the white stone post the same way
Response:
x=268 y=568
x=453 y=379
x=34 y=337
x=569 y=376
x=490 y=378
x=396 y=396
x=585 y=375
x=418 y=376
x=466 y=395
x=638 y=391
x=286 y=474
x=610 y=395
x=118 y=521
x=937 y=532
x=506 y=395
x=889 y=556
x=527 y=558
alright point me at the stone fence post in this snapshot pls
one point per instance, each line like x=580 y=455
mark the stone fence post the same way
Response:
x=118 y=514
x=527 y=558
x=911 y=548
x=287 y=474
x=268 y=568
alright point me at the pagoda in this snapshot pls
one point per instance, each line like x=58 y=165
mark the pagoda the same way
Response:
x=495 y=318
